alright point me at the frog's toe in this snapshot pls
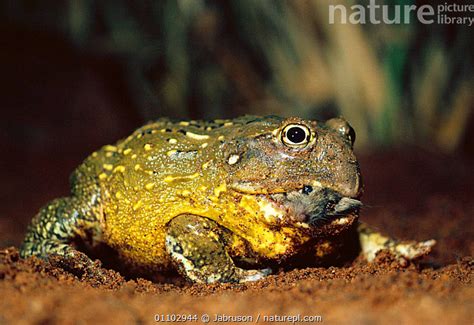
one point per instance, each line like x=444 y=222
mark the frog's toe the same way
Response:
x=80 y=265
x=252 y=275
x=413 y=250
x=373 y=242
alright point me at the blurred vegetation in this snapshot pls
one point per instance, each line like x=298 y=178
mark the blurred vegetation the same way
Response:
x=205 y=59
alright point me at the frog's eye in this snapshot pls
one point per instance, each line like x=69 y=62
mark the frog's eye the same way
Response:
x=296 y=135
x=351 y=135
x=343 y=128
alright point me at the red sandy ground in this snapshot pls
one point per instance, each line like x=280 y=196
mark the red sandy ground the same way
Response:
x=409 y=194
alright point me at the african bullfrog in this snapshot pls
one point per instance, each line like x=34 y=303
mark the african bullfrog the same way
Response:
x=210 y=197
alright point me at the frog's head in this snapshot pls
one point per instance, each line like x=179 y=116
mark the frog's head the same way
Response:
x=304 y=169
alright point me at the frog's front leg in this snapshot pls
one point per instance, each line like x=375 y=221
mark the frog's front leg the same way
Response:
x=198 y=249
x=54 y=228
x=372 y=242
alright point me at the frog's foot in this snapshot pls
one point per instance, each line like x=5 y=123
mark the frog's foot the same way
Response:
x=251 y=275
x=65 y=257
x=197 y=248
x=52 y=231
x=80 y=265
x=372 y=242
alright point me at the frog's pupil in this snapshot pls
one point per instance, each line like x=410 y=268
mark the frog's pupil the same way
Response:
x=296 y=134
x=352 y=135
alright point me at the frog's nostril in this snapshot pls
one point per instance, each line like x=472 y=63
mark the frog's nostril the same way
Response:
x=307 y=189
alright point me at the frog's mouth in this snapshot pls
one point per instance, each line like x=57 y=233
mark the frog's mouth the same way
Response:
x=309 y=207
x=317 y=207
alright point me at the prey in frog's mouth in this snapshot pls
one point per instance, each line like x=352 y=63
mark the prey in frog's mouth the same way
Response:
x=309 y=207
x=315 y=206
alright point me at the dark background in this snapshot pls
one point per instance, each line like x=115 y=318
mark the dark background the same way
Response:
x=76 y=75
